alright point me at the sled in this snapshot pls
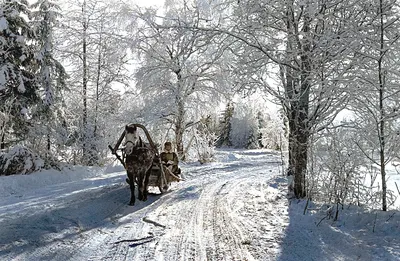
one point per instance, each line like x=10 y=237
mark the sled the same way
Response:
x=160 y=176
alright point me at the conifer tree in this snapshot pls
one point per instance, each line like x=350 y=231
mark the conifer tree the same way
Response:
x=261 y=125
x=18 y=89
x=253 y=142
x=51 y=74
x=225 y=127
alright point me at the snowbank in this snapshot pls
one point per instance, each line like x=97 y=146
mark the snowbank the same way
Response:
x=19 y=160
x=19 y=184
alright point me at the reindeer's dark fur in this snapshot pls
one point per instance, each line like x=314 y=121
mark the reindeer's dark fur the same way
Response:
x=138 y=166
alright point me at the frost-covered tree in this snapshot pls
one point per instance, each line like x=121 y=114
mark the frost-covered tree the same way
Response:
x=112 y=69
x=18 y=88
x=272 y=133
x=261 y=125
x=51 y=73
x=309 y=41
x=376 y=102
x=178 y=68
x=91 y=45
x=244 y=125
x=50 y=76
x=202 y=138
x=225 y=127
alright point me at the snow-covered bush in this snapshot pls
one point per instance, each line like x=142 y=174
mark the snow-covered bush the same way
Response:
x=19 y=160
x=204 y=146
x=244 y=126
x=272 y=134
x=341 y=174
x=336 y=174
x=201 y=142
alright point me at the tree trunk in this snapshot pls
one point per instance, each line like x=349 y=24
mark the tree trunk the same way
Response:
x=180 y=118
x=84 y=85
x=180 y=129
x=303 y=133
x=299 y=158
x=48 y=140
x=98 y=82
x=3 y=137
x=298 y=148
x=381 y=110
x=297 y=90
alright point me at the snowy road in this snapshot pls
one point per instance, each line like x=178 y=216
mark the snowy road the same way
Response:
x=232 y=209
x=218 y=213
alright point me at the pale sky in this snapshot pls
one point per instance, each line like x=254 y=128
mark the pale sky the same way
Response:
x=149 y=2
x=139 y=2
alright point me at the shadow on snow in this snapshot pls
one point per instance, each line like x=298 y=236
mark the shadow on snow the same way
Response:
x=93 y=209
x=349 y=238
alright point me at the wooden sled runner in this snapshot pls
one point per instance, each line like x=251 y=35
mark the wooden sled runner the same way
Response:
x=160 y=176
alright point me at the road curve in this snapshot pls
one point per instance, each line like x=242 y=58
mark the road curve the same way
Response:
x=218 y=213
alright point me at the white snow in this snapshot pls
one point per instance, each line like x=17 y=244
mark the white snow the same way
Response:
x=393 y=178
x=21 y=86
x=2 y=77
x=22 y=58
x=232 y=209
x=3 y=23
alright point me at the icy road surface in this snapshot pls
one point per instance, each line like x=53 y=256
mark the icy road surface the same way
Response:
x=216 y=214
x=233 y=209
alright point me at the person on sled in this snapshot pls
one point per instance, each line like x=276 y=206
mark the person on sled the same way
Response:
x=170 y=159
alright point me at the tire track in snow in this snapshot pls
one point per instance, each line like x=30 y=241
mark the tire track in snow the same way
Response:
x=210 y=231
x=181 y=241
x=199 y=219
x=265 y=202
x=229 y=238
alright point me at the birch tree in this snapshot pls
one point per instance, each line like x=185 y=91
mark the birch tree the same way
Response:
x=90 y=44
x=376 y=103
x=178 y=67
x=309 y=41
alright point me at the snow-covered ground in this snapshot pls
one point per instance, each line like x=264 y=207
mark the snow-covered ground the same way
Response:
x=393 y=182
x=233 y=209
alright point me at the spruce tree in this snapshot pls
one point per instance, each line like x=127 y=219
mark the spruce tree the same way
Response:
x=252 y=141
x=261 y=125
x=17 y=81
x=50 y=73
x=225 y=127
